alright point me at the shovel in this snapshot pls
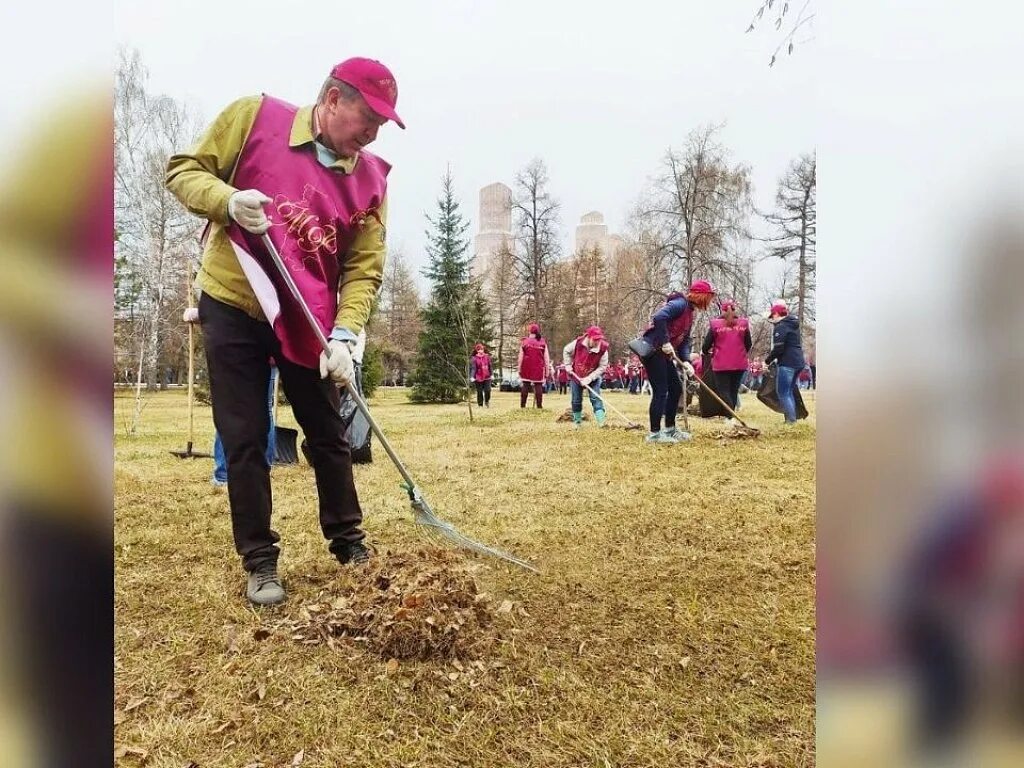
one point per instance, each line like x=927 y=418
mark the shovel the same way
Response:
x=679 y=366
x=629 y=422
x=421 y=510
x=188 y=453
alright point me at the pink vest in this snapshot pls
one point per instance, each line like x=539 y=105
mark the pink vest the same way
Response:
x=315 y=215
x=584 y=361
x=678 y=328
x=729 y=354
x=483 y=367
x=532 y=368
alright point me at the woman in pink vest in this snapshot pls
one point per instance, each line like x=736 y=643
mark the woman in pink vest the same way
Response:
x=728 y=341
x=668 y=333
x=534 y=363
x=480 y=372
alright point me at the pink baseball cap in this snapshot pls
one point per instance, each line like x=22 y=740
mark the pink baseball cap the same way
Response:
x=595 y=332
x=534 y=328
x=779 y=309
x=728 y=304
x=374 y=82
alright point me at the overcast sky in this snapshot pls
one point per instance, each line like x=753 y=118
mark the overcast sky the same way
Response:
x=597 y=90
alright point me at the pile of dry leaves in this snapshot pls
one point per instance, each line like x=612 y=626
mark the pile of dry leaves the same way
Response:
x=566 y=415
x=736 y=432
x=421 y=605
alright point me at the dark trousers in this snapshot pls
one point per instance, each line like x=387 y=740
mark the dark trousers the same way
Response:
x=59 y=585
x=483 y=392
x=563 y=387
x=237 y=352
x=666 y=389
x=729 y=386
x=538 y=393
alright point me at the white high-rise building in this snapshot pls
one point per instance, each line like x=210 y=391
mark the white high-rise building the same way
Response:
x=593 y=231
x=495 y=226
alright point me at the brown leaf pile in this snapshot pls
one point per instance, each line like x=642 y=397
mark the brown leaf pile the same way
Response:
x=566 y=415
x=421 y=605
x=737 y=432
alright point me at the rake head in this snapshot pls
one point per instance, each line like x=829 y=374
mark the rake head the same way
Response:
x=425 y=516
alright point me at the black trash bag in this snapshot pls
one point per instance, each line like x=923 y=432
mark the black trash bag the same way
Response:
x=357 y=428
x=768 y=395
x=709 y=407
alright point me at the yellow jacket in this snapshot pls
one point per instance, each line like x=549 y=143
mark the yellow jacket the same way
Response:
x=201 y=180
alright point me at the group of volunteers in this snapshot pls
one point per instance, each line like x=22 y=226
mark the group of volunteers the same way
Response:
x=302 y=178
x=665 y=347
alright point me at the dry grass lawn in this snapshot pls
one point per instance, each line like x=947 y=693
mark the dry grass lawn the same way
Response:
x=672 y=623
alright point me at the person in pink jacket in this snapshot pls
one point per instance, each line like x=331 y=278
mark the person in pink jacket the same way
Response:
x=728 y=341
x=534 y=364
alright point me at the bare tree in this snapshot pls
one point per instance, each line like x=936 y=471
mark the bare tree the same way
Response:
x=802 y=19
x=537 y=246
x=700 y=204
x=397 y=323
x=155 y=236
x=503 y=287
x=793 y=226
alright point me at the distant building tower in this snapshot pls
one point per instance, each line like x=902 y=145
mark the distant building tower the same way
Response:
x=495 y=225
x=591 y=231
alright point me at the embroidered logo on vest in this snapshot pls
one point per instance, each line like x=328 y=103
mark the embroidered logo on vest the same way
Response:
x=310 y=234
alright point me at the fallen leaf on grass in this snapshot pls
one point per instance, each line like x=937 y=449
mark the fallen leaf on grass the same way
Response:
x=124 y=751
x=299 y=757
x=135 y=704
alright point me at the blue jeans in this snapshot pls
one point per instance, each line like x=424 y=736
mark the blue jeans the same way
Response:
x=220 y=462
x=576 y=396
x=784 y=384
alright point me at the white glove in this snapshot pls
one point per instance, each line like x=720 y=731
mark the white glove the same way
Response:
x=191 y=315
x=668 y=349
x=246 y=207
x=689 y=369
x=338 y=364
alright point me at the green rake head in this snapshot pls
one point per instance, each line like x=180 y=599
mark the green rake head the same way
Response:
x=425 y=516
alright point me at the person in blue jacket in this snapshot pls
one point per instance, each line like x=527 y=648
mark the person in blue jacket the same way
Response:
x=788 y=353
x=669 y=332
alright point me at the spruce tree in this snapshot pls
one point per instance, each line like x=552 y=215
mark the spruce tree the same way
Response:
x=440 y=375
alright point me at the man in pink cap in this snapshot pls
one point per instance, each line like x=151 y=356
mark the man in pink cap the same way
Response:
x=586 y=358
x=301 y=176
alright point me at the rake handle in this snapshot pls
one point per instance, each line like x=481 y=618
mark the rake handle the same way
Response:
x=597 y=394
x=315 y=326
x=679 y=365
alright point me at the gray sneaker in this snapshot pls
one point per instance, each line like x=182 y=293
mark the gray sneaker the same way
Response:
x=659 y=437
x=677 y=435
x=264 y=587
